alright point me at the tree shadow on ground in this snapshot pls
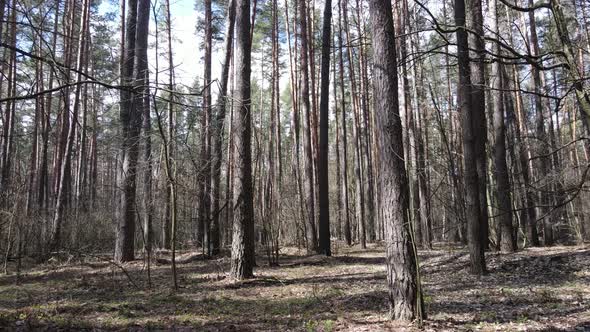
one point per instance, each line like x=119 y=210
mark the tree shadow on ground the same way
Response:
x=74 y=297
x=520 y=288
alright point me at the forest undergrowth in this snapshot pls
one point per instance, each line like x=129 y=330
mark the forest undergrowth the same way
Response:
x=537 y=289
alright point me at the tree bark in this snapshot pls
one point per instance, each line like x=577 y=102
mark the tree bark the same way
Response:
x=217 y=132
x=168 y=228
x=312 y=240
x=358 y=163
x=543 y=146
x=501 y=175
x=404 y=288
x=65 y=166
x=142 y=101
x=131 y=125
x=205 y=181
x=324 y=198
x=343 y=135
x=242 y=253
x=473 y=206
x=479 y=112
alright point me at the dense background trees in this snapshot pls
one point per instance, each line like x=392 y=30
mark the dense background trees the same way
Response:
x=289 y=132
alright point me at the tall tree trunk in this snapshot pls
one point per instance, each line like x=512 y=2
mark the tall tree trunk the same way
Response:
x=295 y=136
x=131 y=125
x=68 y=27
x=93 y=179
x=37 y=124
x=81 y=171
x=9 y=116
x=514 y=106
x=358 y=166
x=454 y=146
x=343 y=135
x=526 y=165
x=410 y=141
x=478 y=112
x=142 y=101
x=217 y=132
x=242 y=253
x=277 y=131
x=339 y=204
x=312 y=241
x=65 y=166
x=404 y=286
x=472 y=197
x=501 y=175
x=577 y=76
x=168 y=228
x=543 y=146
x=324 y=194
x=366 y=132
x=205 y=181
x=43 y=183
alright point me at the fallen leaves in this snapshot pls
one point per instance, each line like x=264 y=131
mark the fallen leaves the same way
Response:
x=536 y=289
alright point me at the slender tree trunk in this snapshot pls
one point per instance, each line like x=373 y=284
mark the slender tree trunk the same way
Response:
x=324 y=198
x=473 y=206
x=527 y=167
x=580 y=87
x=168 y=228
x=543 y=146
x=514 y=106
x=9 y=117
x=205 y=178
x=217 y=132
x=81 y=172
x=37 y=121
x=142 y=100
x=358 y=167
x=277 y=133
x=170 y=168
x=478 y=112
x=312 y=241
x=43 y=183
x=454 y=146
x=339 y=204
x=501 y=175
x=62 y=191
x=343 y=135
x=365 y=134
x=93 y=177
x=410 y=141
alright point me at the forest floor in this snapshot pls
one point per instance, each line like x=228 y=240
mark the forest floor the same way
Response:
x=537 y=289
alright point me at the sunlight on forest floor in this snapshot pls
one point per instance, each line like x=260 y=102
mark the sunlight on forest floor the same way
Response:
x=539 y=289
